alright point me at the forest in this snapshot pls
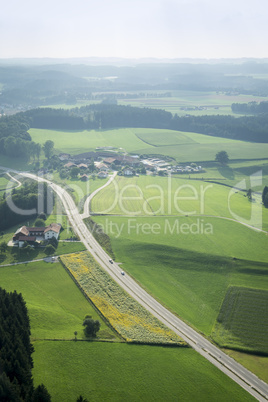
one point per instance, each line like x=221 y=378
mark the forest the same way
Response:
x=16 y=363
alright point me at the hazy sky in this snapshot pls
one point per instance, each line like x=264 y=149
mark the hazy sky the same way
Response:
x=134 y=28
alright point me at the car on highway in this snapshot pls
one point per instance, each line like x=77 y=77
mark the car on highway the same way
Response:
x=111 y=261
x=122 y=273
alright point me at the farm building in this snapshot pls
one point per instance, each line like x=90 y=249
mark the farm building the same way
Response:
x=32 y=235
x=102 y=175
x=82 y=166
x=84 y=177
x=69 y=165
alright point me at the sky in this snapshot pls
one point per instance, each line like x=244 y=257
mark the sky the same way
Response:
x=134 y=28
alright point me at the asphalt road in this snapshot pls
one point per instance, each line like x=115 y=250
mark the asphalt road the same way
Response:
x=226 y=364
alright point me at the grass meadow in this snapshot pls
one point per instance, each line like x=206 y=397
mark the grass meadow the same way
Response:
x=158 y=196
x=120 y=372
x=56 y=306
x=190 y=273
x=98 y=370
x=242 y=322
x=188 y=147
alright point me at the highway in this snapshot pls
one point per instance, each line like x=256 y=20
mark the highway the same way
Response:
x=226 y=364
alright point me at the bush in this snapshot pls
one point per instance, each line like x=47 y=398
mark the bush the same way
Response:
x=42 y=216
x=39 y=223
x=49 y=249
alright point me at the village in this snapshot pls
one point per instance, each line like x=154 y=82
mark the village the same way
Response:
x=100 y=162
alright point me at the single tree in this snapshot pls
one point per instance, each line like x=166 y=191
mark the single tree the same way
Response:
x=91 y=327
x=265 y=202
x=81 y=399
x=48 y=148
x=39 y=223
x=222 y=157
x=264 y=193
x=74 y=172
x=249 y=194
x=75 y=335
x=37 y=150
x=49 y=249
x=41 y=394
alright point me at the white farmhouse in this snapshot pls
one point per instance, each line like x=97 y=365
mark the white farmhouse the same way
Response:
x=53 y=230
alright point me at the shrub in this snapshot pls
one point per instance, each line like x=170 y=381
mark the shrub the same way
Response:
x=49 y=249
x=39 y=223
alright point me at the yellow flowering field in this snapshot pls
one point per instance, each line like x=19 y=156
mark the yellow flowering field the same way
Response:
x=131 y=320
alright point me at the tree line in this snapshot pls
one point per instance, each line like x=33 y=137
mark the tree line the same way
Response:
x=16 y=141
x=106 y=116
x=16 y=363
x=250 y=108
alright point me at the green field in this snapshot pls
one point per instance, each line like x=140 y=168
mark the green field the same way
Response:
x=189 y=273
x=196 y=147
x=182 y=146
x=103 y=371
x=176 y=237
x=56 y=306
x=121 y=372
x=242 y=322
x=158 y=196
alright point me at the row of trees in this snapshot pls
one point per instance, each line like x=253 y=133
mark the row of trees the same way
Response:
x=17 y=147
x=16 y=382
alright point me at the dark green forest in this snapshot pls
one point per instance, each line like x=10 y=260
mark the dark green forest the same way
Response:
x=16 y=363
